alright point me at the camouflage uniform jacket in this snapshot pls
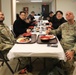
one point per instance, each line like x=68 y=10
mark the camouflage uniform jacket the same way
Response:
x=6 y=38
x=68 y=32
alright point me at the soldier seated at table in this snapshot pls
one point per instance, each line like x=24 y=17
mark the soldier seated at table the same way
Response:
x=68 y=41
x=7 y=39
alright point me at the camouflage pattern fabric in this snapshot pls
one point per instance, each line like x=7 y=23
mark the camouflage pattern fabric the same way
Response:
x=7 y=39
x=68 y=42
x=68 y=33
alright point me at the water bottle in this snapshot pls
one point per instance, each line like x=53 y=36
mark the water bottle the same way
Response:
x=40 y=31
x=44 y=26
x=38 y=23
x=34 y=28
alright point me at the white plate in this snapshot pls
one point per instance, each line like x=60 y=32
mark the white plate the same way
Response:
x=19 y=40
x=51 y=36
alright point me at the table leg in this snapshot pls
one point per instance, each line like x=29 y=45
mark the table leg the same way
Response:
x=44 y=63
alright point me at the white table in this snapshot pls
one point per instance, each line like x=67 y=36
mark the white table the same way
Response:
x=36 y=50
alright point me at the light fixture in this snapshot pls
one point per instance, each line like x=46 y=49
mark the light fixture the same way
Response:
x=36 y=0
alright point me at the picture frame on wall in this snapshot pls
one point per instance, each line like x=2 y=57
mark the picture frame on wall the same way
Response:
x=25 y=9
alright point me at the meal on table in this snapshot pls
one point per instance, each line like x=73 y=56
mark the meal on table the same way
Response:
x=37 y=29
x=27 y=35
x=47 y=37
x=23 y=40
x=51 y=36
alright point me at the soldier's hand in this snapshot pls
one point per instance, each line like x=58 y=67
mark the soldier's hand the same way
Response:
x=28 y=30
x=69 y=54
x=50 y=23
x=48 y=31
x=27 y=21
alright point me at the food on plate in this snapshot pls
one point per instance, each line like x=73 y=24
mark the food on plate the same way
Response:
x=38 y=28
x=27 y=35
x=48 y=27
x=51 y=36
x=44 y=38
x=23 y=40
x=31 y=27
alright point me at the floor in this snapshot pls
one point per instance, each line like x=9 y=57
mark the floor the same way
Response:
x=37 y=67
x=5 y=71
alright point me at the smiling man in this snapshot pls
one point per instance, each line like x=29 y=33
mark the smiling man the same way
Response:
x=6 y=37
x=21 y=24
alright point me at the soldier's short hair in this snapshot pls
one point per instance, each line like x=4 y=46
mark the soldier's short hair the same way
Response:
x=32 y=12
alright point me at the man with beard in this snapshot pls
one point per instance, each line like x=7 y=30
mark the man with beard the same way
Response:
x=6 y=37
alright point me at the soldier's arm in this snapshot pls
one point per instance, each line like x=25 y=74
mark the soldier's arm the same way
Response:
x=57 y=31
x=5 y=45
x=74 y=48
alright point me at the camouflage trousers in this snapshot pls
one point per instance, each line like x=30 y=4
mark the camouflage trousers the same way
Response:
x=68 y=67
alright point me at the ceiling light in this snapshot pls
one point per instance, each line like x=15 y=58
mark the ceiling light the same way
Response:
x=36 y=0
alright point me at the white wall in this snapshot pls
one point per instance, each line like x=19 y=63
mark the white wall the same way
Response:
x=66 y=5
x=32 y=7
x=6 y=9
x=50 y=7
x=63 y=5
x=53 y=6
x=14 y=10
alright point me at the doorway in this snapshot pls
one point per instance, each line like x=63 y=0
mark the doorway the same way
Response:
x=45 y=11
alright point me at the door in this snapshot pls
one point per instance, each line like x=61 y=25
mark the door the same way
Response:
x=45 y=11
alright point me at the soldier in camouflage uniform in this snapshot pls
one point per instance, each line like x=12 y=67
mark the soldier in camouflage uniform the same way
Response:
x=68 y=41
x=7 y=39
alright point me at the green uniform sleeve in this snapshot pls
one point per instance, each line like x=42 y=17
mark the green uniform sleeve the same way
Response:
x=5 y=45
x=7 y=39
x=57 y=31
x=74 y=48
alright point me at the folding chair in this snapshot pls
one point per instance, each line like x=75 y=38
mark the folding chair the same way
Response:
x=2 y=62
x=3 y=59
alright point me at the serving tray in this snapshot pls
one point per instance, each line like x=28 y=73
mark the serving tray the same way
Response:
x=51 y=41
x=33 y=39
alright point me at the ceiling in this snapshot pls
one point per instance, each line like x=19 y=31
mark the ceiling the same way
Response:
x=29 y=1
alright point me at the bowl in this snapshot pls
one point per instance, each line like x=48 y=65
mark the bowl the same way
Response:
x=47 y=23
x=27 y=35
x=31 y=27
x=45 y=38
